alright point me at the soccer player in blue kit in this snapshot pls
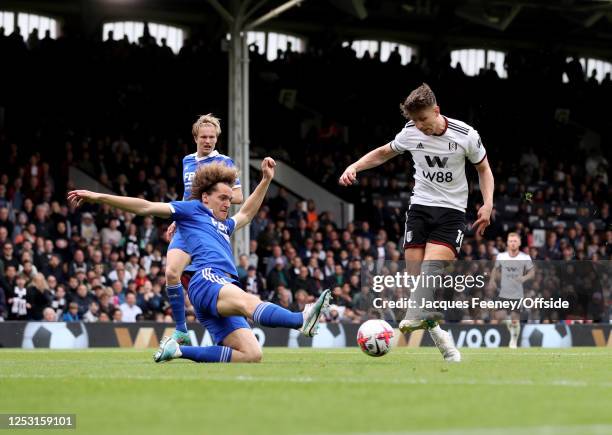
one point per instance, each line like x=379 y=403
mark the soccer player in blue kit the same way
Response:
x=221 y=305
x=205 y=131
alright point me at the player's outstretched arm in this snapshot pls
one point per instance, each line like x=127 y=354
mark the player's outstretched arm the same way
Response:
x=237 y=195
x=487 y=184
x=137 y=206
x=248 y=211
x=372 y=159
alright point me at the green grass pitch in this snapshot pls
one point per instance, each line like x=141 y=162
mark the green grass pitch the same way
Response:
x=317 y=391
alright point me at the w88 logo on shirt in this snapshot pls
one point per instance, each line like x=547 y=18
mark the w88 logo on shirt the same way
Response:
x=439 y=176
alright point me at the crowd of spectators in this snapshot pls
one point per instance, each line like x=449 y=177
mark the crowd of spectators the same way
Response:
x=94 y=263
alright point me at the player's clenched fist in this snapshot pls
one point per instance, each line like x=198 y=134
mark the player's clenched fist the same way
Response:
x=170 y=232
x=267 y=168
x=349 y=176
x=77 y=197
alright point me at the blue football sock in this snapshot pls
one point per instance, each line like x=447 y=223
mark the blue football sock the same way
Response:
x=267 y=314
x=177 y=302
x=209 y=354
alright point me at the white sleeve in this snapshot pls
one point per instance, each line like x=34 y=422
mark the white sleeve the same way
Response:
x=475 y=151
x=403 y=140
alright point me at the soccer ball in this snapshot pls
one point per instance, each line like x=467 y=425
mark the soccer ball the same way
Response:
x=374 y=337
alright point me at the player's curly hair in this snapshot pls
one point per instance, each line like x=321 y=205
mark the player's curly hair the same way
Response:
x=204 y=120
x=207 y=177
x=421 y=98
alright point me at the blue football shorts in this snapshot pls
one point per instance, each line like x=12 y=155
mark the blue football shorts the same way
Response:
x=204 y=288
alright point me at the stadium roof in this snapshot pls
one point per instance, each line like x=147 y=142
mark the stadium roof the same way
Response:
x=577 y=24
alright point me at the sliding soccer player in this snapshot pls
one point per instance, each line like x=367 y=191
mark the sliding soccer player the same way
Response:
x=221 y=305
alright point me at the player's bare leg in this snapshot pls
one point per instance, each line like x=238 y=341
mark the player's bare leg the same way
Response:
x=233 y=301
x=434 y=258
x=245 y=347
x=435 y=253
x=176 y=262
x=414 y=318
x=514 y=327
x=416 y=263
x=512 y=322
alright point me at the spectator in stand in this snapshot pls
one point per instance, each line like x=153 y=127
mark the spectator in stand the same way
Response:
x=300 y=300
x=89 y=230
x=253 y=283
x=306 y=282
x=311 y=215
x=282 y=296
x=49 y=315
x=111 y=235
x=17 y=299
x=241 y=268
x=5 y=220
x=40 y=297
x=129 y=309
x=72 y=315
x=91 y=315
x=8 y=259
x=278 y=275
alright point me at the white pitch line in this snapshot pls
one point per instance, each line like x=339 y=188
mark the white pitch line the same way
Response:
x=478 y=352
x=314 y=380
x=591 y=429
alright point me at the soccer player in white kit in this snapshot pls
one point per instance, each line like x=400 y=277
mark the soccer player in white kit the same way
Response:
x=435 y=221
x=515 y=268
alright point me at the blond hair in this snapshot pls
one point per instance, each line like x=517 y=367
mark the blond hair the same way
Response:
x=513 y=234
x=203 y=120
x=419 y=99
x=208 y=176
x=40 y=282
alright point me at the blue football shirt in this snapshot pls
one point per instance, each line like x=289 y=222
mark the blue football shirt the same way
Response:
x=191 y=162
x=207 y=239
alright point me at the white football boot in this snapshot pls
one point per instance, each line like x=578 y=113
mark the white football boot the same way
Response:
x=312 y=313
x=445 y=344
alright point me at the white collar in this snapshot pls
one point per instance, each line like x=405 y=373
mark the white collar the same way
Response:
x=213 y=153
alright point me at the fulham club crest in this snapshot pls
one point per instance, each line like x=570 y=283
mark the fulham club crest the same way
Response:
x=452 y=146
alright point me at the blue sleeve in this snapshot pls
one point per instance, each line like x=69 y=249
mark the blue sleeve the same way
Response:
x=229 y=162
x=182 y=210
x=185 y=198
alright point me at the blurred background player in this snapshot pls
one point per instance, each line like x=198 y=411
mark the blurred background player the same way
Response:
x=206 y=131
x=435 y=221
x=515 y=268
x=220 y=305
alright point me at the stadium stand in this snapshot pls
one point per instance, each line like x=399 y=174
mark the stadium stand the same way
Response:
x=133 y=129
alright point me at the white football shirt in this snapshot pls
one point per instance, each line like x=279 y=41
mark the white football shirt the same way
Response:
x=511 y=269
x=439 y=162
